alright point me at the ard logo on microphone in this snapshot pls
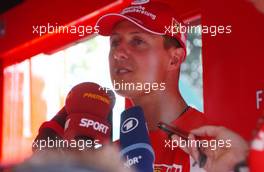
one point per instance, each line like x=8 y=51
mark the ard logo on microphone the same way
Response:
x=129 y=125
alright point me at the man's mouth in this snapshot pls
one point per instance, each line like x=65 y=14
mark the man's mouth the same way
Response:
x=122 y=71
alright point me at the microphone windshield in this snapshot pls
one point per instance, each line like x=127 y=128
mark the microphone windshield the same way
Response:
x=134 y=140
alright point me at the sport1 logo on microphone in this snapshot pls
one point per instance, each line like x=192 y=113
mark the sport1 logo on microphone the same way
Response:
x=129 y=125
x=97 y=126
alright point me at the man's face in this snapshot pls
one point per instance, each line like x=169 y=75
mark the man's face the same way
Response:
x=136 y=56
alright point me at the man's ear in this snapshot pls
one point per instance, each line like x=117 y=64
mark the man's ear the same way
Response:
x=176 y=58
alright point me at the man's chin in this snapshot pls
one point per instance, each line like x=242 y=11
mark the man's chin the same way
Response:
x=130 y=93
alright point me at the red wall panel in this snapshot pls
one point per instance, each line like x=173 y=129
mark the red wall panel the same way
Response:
x=19 y=20
x=20 y=43
x=233 y=64
x=1 y=103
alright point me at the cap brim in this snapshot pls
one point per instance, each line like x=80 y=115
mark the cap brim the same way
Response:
x=107 y=22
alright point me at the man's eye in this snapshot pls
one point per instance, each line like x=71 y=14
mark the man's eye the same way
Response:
x=137 y=41
x=114 y=43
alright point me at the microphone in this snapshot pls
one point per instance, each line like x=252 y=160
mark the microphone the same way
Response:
x=134 y=141
x=51 y=130
x=89 y=106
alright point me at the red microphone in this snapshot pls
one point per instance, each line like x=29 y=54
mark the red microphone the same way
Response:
x=88 y=106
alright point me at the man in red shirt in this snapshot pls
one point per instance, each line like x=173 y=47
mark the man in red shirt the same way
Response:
x=147 y=47
x=146 y=53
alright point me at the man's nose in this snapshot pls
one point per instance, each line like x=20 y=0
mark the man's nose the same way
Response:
x=121 y=53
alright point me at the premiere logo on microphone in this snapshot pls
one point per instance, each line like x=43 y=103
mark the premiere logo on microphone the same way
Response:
x=129 y=125
x=96 y=97
x=97 y=126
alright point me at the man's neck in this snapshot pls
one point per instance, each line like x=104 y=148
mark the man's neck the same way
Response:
x=162 y=106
